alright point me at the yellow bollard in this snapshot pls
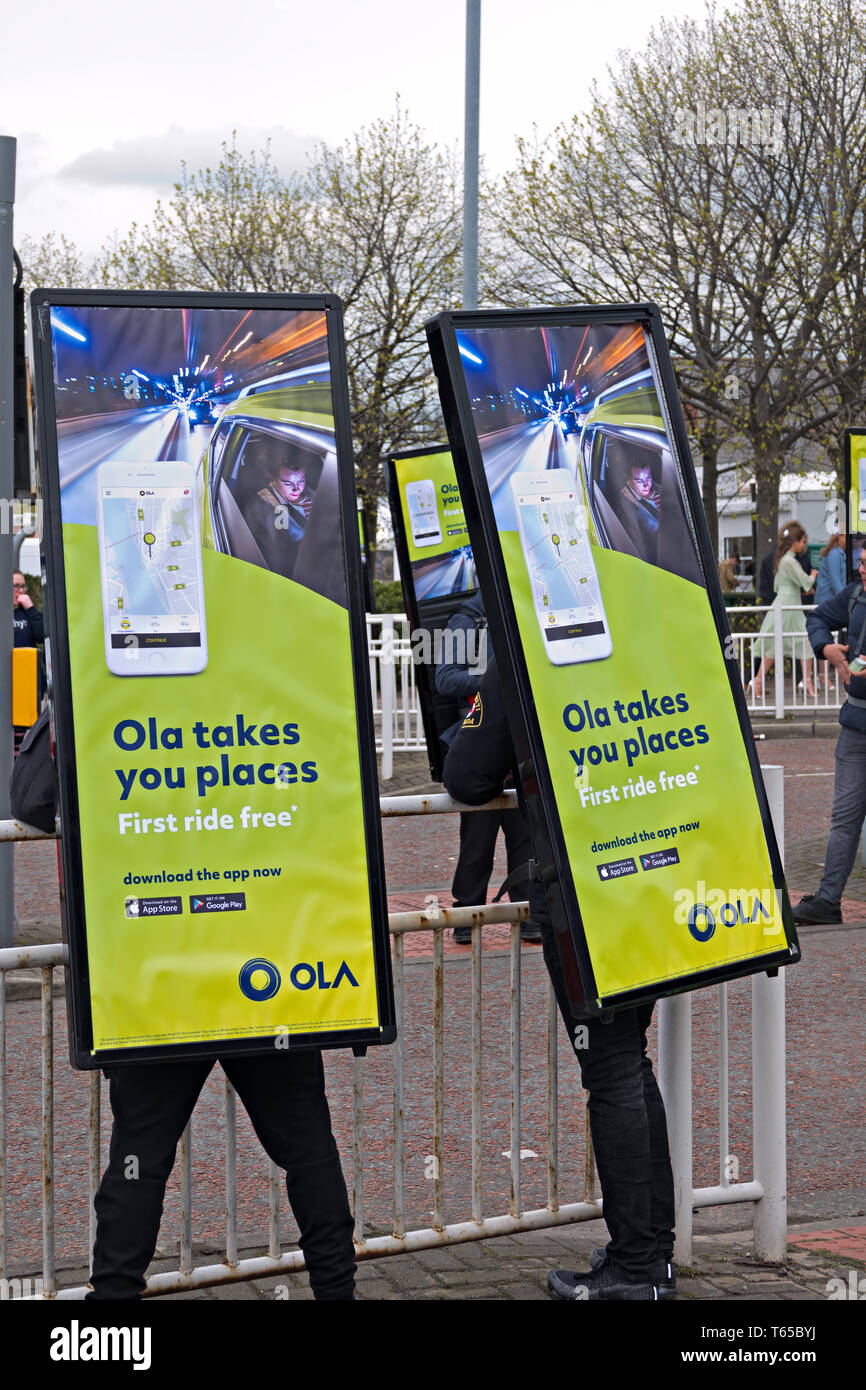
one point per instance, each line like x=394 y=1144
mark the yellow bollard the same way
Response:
x=24 y=706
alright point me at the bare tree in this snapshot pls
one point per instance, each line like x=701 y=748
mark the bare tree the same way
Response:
x=236 y=227
x=385 y=234
x=375 y=220
x=722 y=176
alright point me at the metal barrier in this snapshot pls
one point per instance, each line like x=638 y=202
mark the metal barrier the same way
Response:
x=396 y=707
x=398 y=713
x=766 y=1191
x=778 y=697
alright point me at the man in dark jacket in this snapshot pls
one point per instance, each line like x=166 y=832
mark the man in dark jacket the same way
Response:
x=626 y=1110
x=458 y=675
x=846 y=609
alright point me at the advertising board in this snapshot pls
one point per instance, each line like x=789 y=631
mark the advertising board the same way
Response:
x=221 y=844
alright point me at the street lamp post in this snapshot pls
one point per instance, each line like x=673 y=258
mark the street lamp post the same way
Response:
x=7 y=488
x=470 y=155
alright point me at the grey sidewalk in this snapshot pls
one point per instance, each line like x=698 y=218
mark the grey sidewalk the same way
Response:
x=514 y=1268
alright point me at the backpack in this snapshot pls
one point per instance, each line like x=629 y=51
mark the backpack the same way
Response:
x=33 y=784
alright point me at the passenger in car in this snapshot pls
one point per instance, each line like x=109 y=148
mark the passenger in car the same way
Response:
x=277 y=515
x=639 y=510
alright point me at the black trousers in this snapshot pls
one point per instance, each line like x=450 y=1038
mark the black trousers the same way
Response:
x=284 y=1096
x=630 y=1139
x=478 y=832
x=627 y=1121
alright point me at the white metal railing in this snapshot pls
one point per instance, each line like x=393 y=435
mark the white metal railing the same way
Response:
x=396 y=707
x=766 y=1190
x=777 y=696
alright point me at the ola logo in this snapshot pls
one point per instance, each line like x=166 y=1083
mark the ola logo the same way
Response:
x=701 y=922
x=259 y=979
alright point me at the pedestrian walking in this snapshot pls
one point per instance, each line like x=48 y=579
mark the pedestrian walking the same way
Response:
x=846 y=609
x=789 y=583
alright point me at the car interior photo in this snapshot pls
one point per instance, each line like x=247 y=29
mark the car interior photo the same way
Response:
x=652 y=530
x=251 y=523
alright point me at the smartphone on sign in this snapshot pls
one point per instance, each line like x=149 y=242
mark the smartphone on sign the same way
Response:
x=566 y=594
x=423 y=513
x=151 y=569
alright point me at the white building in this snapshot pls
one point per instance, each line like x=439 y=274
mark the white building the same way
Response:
x=809 y=498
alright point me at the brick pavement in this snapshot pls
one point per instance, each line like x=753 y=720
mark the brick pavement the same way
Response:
x=420 y=855
x=514 y=1268
x=845 y=1242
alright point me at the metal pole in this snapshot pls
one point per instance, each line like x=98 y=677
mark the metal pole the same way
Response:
x=779 y=659
x=768 y=1077
x=28 y=529
x=470 y=155
x=7 y=447
x=388 y=678
x=675 y=1080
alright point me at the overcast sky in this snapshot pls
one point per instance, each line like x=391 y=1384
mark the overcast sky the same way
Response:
x=106 y=99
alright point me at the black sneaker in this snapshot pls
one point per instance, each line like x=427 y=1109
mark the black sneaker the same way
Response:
x=530 y=931
x=462 y=936
x=604 y=1283
x=816 y=910
x=666 y=1275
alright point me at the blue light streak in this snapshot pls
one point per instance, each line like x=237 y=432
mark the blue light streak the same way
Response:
x=64 y=328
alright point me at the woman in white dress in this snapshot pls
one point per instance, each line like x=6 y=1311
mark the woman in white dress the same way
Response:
x=790 y=582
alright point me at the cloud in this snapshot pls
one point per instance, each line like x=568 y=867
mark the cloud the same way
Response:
x=156 y=160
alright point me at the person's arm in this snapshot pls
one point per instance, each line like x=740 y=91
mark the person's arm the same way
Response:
x=481 y=755
x=822 y=621
x=837 y=568
x=455 y=678
x=37 y=625
x=795 y=571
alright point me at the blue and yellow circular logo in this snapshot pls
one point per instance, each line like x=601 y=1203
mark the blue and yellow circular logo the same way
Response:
x=259 y=979
x=701 y=922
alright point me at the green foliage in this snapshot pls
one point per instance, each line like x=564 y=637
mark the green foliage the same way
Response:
x=34 y=589
x=388 y=594
x=742 y=622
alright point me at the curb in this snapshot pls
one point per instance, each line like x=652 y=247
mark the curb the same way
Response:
x=790 y=728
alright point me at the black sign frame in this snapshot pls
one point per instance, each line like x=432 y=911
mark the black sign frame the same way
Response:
x=439 y=609
x=74 y=928
x=532 y=766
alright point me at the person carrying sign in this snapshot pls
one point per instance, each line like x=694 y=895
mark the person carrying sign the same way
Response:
x=457 y=676
x=845 y=609
x=626 y=1110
